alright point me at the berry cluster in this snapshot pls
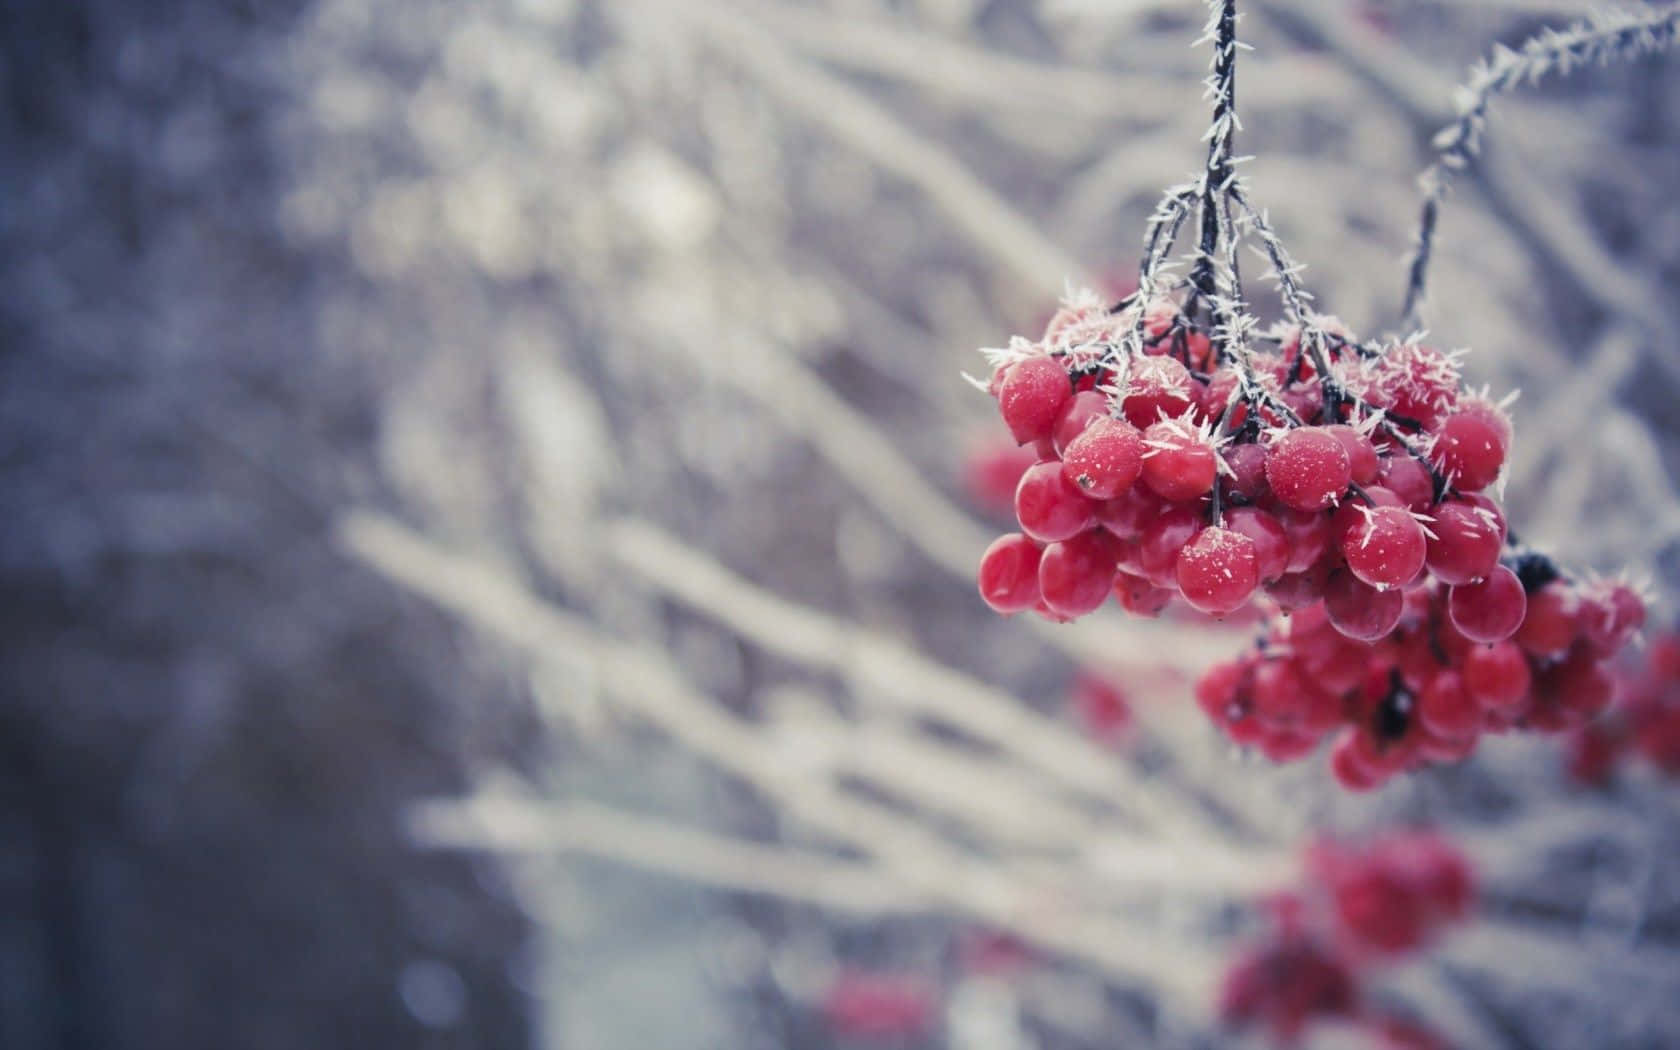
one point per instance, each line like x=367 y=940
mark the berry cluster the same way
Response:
x=1427 y=690
x=1359 y=908
x=1306 y=467
x=1646 y=721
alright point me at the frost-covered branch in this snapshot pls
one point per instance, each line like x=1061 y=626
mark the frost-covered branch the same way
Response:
x=1597 y=40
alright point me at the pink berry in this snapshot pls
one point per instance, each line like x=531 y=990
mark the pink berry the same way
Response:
x=1105 y=459
x=1218 y=571
x=1031 y=395
x=1308 y=468
x=1009 y=574
x=1490 y=610
x=1049 y=507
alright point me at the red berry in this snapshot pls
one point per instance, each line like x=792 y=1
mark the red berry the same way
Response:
x=1074 y=576
x=1247 y=480
x=1139 y=597
x=1579 y=685
x=1488 y=611
x=1077 y=414
x=1127 y=514
x=1179 y=464
x=1009 y=574
x=1105 y=459
x=1497 y=675
x=1162 y=539
x=1271 y=542
x=1308 y=468
x=1360 y=611
x=1469 y=451
x=1552 y=621
x=1385 y=547
x=1299 y=590
x=1466 y=544
x=1611 y=615
x=1363 y=464
x=1409 y=480
x=1218 y=571
x=1446 y=708
x=1159 y=387
x=1349 y=770
x=1031 y=395
x=1049 y=507
x=1309 y=536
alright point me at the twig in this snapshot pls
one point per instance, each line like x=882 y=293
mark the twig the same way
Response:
x=1597 y=40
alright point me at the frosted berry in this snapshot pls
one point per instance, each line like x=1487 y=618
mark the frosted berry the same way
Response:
x=1469 y=450
x=1031 y=395
x=1159 y=387
x=1466 y=544
x=1218 y=571
x=1385 y=547
x=1105 y=459
x=1308 y=468
x=1178 y=464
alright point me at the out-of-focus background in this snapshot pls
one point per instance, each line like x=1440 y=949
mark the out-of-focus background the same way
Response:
x=489 y=509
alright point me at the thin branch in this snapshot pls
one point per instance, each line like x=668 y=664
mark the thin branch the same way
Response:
x=1597 y=40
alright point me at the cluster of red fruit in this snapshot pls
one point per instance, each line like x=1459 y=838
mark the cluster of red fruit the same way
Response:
x=1645 y=722
x=1169 y=472
x=1428 y=690
x=1359 y=908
